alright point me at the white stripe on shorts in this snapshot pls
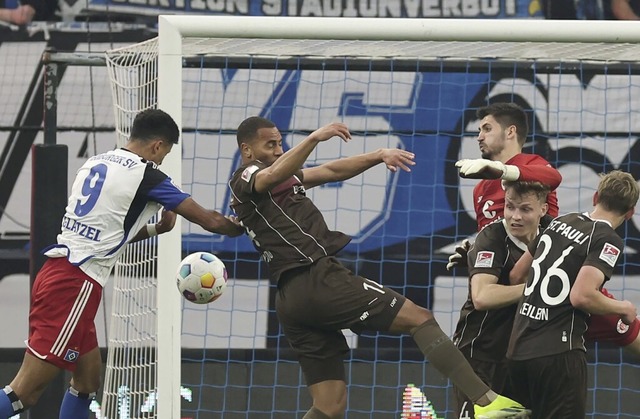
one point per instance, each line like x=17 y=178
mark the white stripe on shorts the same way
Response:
x=72 y=320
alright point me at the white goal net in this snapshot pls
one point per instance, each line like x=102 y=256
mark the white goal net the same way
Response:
x=410 y=83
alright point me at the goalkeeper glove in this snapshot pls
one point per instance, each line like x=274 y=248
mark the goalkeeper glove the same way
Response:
x=487 y=169
x=459 y=258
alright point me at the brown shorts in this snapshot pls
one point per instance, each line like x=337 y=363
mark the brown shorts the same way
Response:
x=316 y=302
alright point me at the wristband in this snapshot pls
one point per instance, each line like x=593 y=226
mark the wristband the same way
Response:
x=152 y=230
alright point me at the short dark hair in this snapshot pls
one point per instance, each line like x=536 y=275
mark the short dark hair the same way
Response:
x=540 y=190
x=507 y=114
x=151 y=124
x=248 y=129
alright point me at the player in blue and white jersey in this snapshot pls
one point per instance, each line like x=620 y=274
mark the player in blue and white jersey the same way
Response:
x=113 y=197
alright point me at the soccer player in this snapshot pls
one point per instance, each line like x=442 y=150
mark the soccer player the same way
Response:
x=486 y=318
x=112 y=198
x=564 y=269
x=502 y=133
x=317 y=296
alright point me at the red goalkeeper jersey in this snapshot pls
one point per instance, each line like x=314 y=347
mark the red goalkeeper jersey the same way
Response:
x=488 y=195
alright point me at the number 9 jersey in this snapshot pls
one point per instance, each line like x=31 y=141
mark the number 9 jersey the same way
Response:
x=113 y=196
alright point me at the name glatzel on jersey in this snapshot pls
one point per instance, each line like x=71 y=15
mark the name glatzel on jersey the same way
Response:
x=82 y=229
x=112 y=197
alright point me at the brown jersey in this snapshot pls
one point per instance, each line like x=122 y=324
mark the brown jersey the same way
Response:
x=484 y=335
x=285 y=226
x=546 y=323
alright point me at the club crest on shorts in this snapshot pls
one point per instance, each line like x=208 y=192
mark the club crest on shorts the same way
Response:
x=484 y=260
x=609 y=254
x=71 y=355
x=621 y=327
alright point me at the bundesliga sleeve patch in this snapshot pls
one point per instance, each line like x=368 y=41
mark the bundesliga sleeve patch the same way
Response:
x=246 y=175
x=484 y=260
x=609 y=254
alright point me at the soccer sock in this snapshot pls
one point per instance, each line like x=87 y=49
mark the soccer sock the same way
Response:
x=314 y=413
x=447 y=358
x=75 y=405
x=10 y=405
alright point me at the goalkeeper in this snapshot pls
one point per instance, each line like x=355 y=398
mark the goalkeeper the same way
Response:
x=502 y=133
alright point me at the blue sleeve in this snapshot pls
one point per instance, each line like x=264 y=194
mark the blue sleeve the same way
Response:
x=158 y=187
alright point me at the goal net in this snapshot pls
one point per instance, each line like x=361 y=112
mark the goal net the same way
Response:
x=414 y=84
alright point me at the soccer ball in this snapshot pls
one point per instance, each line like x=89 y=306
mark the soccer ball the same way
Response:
x=201 y=278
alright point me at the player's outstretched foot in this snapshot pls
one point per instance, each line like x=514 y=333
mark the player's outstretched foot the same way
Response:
x=502 y=407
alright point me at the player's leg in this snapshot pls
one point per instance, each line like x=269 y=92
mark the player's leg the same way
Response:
x=84 y=385
x=305 y=310
x=27 y=386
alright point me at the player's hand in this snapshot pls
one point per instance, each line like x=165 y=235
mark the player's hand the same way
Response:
x=167 y=221
x=487 y=169
x=336 y=129
x=395 y=158
x=630 y=312
x=236 y=229
x=459 y=258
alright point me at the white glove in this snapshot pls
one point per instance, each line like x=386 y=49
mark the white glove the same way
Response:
x=459 y=258
x=487 y=169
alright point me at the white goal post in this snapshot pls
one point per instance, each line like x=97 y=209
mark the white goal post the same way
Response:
x=530 y=42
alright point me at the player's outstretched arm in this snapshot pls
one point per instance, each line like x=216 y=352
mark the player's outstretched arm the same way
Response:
x=290 y=162
x=586 y=295
x=489 y=169
x=210 y=220
x=166 y=223
x=544 y=174
x=349 y=167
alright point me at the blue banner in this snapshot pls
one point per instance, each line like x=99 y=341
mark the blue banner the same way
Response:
x=330 y=8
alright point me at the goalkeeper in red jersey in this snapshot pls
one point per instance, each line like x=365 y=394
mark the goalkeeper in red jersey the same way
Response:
x=503 y=129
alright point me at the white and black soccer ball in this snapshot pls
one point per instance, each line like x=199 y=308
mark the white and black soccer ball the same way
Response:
x=201 y=277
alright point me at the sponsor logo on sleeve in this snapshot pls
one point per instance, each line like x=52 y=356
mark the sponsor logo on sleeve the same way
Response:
x=610 y=254
x=484 y=260
x=246 y=174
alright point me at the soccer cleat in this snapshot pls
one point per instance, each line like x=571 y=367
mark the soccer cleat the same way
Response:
x=502 y=407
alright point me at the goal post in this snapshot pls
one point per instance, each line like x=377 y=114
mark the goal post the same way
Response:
x=394 y=58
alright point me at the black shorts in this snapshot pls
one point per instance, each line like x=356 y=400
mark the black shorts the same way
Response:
x=315 y=303
x=552 y=386
x=494 y=374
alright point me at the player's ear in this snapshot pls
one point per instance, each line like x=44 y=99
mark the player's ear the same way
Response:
x=545 y=208
x=595 y=198
x=245 y=150
x=630 y=214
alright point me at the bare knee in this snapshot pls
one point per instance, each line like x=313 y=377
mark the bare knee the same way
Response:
x=410 y=315
x=86 y=385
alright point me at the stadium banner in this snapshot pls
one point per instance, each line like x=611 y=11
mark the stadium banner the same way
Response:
x=334 y=8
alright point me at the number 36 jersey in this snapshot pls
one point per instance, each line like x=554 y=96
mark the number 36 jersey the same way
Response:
x=546 y=323
x=113 y=196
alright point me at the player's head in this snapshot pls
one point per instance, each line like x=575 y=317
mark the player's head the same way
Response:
x=503 y=127
x=618 y=193
x=525 y=203
x=153 y=134
x=259 y=139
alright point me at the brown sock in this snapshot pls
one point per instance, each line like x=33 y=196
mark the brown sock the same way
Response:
x=447 y=358
x=314 y=413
